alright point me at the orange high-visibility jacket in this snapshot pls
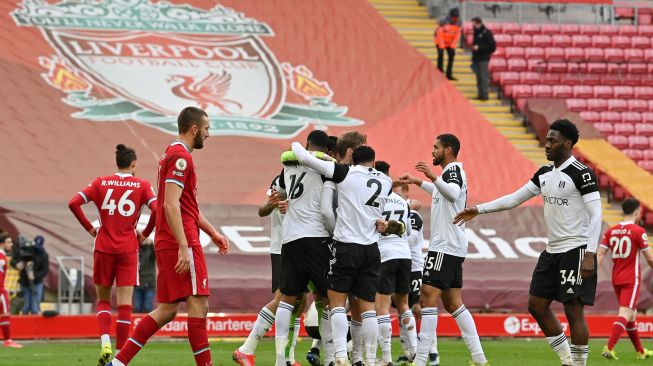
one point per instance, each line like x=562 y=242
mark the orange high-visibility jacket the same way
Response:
x=447 y=35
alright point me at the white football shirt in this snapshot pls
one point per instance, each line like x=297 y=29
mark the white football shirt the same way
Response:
x=416 y=240
x=393 y=246
x=277 y=221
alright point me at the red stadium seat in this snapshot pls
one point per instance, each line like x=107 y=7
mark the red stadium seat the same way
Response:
x=578 y=105
x=640 y=42
x=500 y=52
x=605 y=128
x=514 y=52
x=634 y=55
x=646 y=165
x=589 y=29
x=648 y=55
x=551 y=79
x=620 y=42
x=624 y=129
x=645 y=30
x=637 y=69
x=522 y=91
x=631 y=118
x=644 y=92
x=561 y=40
x=574 y=54
x=634 y=80
x=569 y=29
x=611 y=80
x=550 y=29
x=529 y=78
x=590 y=79
x=583 y=91
x=541 y=40
x=648 y=154
x=534 y=53
x=571 y=79
x=614 y=55
x=497 y=64
x=600 y=41
x=542 y=91
x=594 y=54
x=650 y=105
x=563 y=91
x=510 y=78
x=628 y=30
x=603 y=91
x=647 y=118
x=650 y=142
x=615 y=68
x=592 y=117
x=496 y=28
x=581 y=40
x=530 y=28
x=598 y=105
x=536 y=65
x=638 y=142
x=597 y=68
x=556 y=66
x=503 y=40
x=511 y=28
x=609 y=30
x=516 y=64
x=577 y=66
x=635 y=155
x=620 y=142
x=645 y=129
x=624 y=92
x=554 y=54
x=617 y=105
x=611 y=117
x=522 y=40
x=636 y=105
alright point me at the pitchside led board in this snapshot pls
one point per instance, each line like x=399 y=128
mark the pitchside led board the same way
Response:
x=267 y=73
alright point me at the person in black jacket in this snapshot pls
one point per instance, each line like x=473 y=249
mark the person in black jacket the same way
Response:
x=32 y=261
x=482 y=49
x=144 y=293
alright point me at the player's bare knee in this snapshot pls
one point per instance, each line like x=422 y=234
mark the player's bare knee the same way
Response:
x=536 y=309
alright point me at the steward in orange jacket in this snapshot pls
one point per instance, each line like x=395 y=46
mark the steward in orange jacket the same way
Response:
x=447 y=37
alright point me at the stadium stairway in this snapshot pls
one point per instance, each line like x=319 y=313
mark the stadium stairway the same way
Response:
x=412 y=22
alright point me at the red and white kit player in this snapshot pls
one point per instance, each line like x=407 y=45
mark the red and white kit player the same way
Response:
x=5 y=247
x=120 y=199
x=625 y=242
x=180 y=260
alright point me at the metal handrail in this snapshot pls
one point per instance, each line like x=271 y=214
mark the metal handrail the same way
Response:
x=64 y=273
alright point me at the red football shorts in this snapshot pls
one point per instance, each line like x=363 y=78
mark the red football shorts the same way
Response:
x=627 y=295
x=4 y=302
x=173 y=287
x=123 y=268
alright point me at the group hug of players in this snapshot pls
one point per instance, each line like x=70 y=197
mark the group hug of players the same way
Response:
x=349 y=235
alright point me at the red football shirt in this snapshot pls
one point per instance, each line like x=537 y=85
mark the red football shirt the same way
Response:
x=120 y=199
x=625 y=240
x=3 y=269
x=176 y=166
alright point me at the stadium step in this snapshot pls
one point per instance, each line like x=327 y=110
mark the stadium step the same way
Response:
x=392 y=2
x=400 y=14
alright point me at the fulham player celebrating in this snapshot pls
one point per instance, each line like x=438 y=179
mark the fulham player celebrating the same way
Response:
x=119 y=199
x=626 y=241
x=182 y=273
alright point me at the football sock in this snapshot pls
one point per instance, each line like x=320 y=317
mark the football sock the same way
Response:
x=143 y=331
x=104 y=321
x=317 y=343
x=294 y=331
x=326 y=333
x=282 y=327
x=426 y=335
x=618 y=329
x=356 y=329
x=633 y=333
x=339 y=331
x=199 y=341
x=370 y=335
x=385 y=337
x=123 y=325
x=579 y=354
x=403 y=339
x=560 y=346
x=4 y=324
x=263 y=323
x=411 y=330
x=470 y=335
x=434 y=346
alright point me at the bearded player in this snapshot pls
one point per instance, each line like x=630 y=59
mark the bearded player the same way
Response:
x=182 y=272
x=119 y=198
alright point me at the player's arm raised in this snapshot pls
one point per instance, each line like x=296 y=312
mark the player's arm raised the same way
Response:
x=409 y=179
x=172 y=210
x=506 y=202
x=217 y=238
x=325 y=168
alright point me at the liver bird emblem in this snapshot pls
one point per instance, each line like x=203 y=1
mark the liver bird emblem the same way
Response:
x=206 y=91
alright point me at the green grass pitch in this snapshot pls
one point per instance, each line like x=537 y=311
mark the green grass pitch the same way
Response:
x=175 y=353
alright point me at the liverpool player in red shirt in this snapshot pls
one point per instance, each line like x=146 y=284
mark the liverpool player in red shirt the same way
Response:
x=625 y=241
x=119 y=198
x=179 y=257
x=5 y=247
